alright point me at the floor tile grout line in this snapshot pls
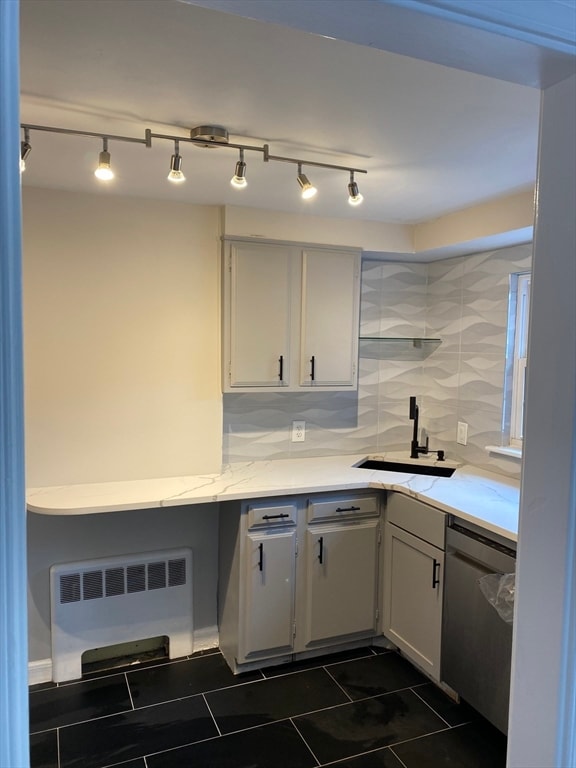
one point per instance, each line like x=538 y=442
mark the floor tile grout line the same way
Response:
x=304 y=740
x=357 y=755
x=398 y=758
x=344 y=691
x=58 y=747
x=432 y=709
x=211 y=714
x=129 y=691
x=320 y=666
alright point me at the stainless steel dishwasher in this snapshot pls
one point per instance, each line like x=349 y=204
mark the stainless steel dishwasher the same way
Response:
x=476 y=641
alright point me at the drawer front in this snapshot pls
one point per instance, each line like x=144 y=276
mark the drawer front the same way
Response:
x=266 y=514
x=417 y=518
x=343 y=507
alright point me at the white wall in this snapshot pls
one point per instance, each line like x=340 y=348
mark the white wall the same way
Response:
x=122 y=338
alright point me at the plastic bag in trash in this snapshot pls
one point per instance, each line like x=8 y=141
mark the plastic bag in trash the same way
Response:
x=498 y=589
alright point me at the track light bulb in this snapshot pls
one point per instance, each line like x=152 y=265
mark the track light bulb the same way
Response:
x=308 y=189
x=176 y=174
x=239 y=178
x=104 y=171
x=354 y=196
x=25 y=149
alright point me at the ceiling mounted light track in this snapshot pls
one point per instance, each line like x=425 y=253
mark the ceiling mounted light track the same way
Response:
x=209 y=135
x=203 y=136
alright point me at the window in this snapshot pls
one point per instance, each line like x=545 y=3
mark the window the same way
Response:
x=519 y=345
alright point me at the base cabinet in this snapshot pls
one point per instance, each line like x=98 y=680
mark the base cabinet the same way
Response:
x=268 y=597
x=297 y=575
x=413 y=580
x=341 y=581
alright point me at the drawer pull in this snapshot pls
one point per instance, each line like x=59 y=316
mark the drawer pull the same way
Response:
x=435 y=574
x=321 y=550
x=261 y=556
x=348 y=509
x=275 y=517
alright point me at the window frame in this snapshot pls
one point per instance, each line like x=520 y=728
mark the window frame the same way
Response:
x=521 y=317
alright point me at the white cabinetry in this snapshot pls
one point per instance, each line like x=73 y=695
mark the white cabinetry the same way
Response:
x=297 y=575
x=413 y=580
x=291 y=317
x=257 y=580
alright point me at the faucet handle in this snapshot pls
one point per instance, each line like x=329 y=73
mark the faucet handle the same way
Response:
x=440 y=455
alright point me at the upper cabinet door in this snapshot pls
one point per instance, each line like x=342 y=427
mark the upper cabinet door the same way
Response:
x=330 y=318
x=290 y=317
x=259 y=301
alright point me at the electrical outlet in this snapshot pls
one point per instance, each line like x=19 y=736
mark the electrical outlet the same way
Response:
x=298 y=431
x=462 y=433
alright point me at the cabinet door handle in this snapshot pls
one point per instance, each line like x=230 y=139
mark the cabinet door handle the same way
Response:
x=275 y=517
x=312 y=367
x=348 y=509
x=321 y=549
x=435 y=574
x=261 y=556
x=281 y=367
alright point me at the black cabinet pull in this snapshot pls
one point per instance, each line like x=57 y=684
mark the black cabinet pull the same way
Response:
x=275 y=517
x=321 y=549
x=260 y=556
x=435 y=574
x=281 y=367
x=312 y=367
x=348 y=509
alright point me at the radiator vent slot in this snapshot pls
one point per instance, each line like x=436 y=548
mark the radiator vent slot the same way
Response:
x=112 y=582
x=96 y=604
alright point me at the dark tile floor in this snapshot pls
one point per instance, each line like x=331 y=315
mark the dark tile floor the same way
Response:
x=358 y=709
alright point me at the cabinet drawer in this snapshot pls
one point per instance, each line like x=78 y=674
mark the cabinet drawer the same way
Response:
x=339 y=507
x=417 y=518
x=266 y=514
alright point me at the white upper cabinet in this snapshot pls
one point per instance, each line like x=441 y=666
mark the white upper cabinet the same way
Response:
x=290 y=316
x=329 y=348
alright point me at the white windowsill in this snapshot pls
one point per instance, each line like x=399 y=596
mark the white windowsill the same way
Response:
x=505 y=450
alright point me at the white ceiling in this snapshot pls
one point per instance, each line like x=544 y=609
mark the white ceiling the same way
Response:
x=433 y=139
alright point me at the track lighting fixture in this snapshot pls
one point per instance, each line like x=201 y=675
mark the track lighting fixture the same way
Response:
x=176 y=175
x=308 y=189
x=354 y=196
x=104 y=171
x=201 y=136
x=25 y=149
x=239 y=178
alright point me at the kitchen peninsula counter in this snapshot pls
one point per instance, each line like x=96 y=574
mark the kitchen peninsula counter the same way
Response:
x=485 y=498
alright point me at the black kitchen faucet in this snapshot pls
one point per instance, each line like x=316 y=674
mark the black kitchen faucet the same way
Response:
x=415 y=449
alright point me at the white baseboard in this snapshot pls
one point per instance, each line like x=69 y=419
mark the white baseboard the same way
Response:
x=39 y=671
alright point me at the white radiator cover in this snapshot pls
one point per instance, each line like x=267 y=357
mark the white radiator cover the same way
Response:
x=98 y=603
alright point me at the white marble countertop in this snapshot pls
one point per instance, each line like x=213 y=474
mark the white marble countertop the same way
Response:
x=484 y=498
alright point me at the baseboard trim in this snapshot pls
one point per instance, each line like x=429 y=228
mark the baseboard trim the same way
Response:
x=39 y=671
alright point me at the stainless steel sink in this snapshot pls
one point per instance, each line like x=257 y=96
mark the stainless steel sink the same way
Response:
x=407 y=467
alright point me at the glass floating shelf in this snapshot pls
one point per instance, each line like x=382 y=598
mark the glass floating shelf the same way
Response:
x=397 y=348
x=416 y=341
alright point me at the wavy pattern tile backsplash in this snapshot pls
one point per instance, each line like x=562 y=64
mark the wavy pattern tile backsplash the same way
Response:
x=464 y=302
